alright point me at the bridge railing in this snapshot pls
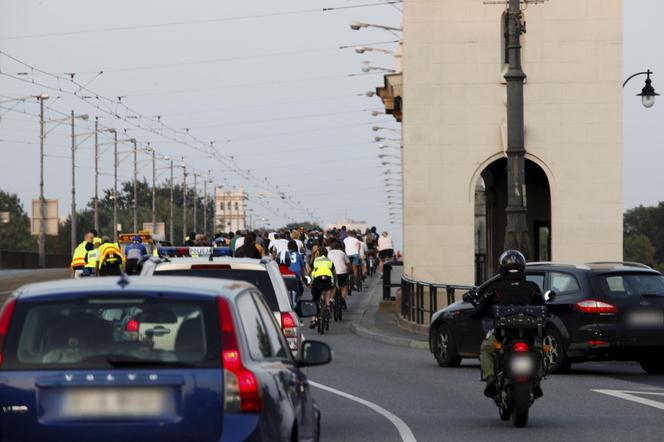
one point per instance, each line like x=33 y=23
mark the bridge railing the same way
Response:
x=13 y=259
x=414 y=308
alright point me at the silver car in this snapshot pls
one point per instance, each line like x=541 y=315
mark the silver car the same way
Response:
x=262 y=273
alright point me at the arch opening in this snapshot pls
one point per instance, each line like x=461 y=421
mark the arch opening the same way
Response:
x=490 y=217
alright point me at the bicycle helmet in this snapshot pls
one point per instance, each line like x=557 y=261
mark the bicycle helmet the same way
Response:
x=512 y=261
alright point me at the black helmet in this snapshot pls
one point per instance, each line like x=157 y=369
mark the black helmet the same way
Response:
x=512 y=261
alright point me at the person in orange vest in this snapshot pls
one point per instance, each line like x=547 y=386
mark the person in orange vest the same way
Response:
x=78 y=258
x=111 y=260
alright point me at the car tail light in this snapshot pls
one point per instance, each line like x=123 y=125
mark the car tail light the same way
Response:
x=594 y=306
x=288 y=325
x=520 y=347
x=241 y=391
x=132 y=325
x=5 y=318
x=595 y=343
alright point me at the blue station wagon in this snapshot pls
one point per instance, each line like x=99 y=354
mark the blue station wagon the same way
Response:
x=151 y=359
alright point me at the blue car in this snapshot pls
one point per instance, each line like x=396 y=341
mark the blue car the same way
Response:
x=151 y=359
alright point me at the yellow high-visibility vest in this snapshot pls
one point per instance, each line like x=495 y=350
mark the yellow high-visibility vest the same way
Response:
x=322 y=267
x=78 y=258
x=110 y=252
x=93 y=257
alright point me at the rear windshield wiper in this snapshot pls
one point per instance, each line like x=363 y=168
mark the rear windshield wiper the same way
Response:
x=128 y=361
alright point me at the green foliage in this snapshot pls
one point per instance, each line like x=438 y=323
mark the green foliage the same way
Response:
x=637 y=247
x=16 y=234
x=306 y=224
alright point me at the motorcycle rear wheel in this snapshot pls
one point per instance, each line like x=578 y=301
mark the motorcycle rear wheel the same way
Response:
x=521 y=404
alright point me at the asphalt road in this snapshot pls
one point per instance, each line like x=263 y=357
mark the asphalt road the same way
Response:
x=447 y=403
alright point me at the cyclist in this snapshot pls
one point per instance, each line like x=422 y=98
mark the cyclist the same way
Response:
x=323 y=275
x=134 y=252
x=92 y=258
x=341 y=263
x=385 y=249
x=353 y=246
x=296 y=266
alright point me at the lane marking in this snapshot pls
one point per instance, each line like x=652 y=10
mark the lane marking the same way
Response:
x=630 y=395
x=403 y=429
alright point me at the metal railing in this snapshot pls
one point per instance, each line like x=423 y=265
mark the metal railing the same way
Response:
x=413 y=306
x=12 y=259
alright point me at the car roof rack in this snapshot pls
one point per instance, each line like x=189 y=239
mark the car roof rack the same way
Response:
x=622 y=263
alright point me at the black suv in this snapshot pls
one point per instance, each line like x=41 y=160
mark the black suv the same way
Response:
x=600 y=311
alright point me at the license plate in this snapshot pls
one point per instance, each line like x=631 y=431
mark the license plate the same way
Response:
x=200 y=251
x=522 y=366
x=646 y=319
x=89 y=402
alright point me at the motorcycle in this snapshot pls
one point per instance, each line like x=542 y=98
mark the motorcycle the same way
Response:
x=518 y=358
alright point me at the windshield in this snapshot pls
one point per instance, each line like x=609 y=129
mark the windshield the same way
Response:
x=634 y=284
x=259 y=278
x=102 y=333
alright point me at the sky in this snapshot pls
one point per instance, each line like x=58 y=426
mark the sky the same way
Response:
x=264 y=81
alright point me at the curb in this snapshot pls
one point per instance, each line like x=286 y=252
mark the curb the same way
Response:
x=390 y=340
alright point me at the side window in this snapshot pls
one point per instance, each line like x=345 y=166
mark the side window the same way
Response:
x=277 y=343
x=254 y=328
x=537 y=278
x=564 y=283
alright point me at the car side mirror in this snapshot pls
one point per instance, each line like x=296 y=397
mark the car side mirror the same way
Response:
x=550 y=296
x=314 y=353
x=306 y=309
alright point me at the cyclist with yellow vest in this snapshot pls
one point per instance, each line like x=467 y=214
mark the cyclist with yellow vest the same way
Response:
x=92 y=259
x=111 y=259
x=323 y=276
x=78 y=257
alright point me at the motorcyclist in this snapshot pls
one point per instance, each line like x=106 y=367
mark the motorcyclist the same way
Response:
x=510 y=288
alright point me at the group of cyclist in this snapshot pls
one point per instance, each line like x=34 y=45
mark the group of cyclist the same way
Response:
x=340 y=260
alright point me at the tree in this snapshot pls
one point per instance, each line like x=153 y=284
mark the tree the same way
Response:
x=647 y=221
x=638 y=248
x=306 y=224
x=15 y=235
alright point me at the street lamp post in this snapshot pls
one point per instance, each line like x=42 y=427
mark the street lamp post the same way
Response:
x=171 y=219
x=115 y=186
x=135 y=185
x=154 y=191
x=73 y=183
x=184 y=200
x=195 y=202
x=73 y=179
x=96 y=199
x=516 y=229
x=648 y=93
x=42 y=200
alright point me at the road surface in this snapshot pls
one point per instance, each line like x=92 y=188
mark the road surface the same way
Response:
x=401 y=386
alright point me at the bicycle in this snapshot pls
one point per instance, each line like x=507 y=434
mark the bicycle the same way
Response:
x=338 y=305
x=323 y=317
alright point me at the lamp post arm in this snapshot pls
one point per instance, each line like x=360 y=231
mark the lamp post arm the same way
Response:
x=648 y=72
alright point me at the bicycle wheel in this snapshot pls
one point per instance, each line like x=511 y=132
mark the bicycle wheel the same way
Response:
x=327 y=319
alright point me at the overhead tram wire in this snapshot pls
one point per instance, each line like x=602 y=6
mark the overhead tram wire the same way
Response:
x=227 y=59
x=111 y=107
x=195 y=22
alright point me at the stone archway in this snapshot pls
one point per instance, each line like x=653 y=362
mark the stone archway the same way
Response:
x=490 y=219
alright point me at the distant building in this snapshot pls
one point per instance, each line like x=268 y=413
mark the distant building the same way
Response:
x=350 y=224
x=230 y=210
